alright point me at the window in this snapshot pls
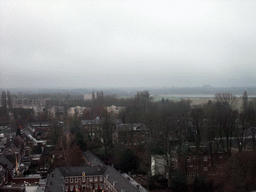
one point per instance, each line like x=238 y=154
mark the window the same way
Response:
x=190 y=165
x=83 y=179
x=91 y=179
x=221 y=156
x=218 y=165
x=95 y=178
x=101 y=178
x=205 y=168
x=194 y=157
x=188 y=159
x=192 y=175
x=188 y=175
x=66 y=180
x=96 y=186
x=71 y=180
x=76 y=180
x=205 y=158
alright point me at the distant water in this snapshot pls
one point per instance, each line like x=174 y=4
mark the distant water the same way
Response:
x=197 y=95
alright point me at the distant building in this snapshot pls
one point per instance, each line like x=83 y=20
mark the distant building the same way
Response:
x=115 y=110
x=78 y=110
x=56 y=110
x=90 y=96
x=37 y=109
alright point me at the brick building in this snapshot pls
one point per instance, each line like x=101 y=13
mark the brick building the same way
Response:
x=131 y=135
x=201 y=164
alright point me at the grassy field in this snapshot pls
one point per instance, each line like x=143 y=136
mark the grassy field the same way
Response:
x=196 y=100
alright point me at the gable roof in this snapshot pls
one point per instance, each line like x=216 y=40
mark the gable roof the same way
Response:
x=93 y=159
x=118 y=181
x=55 y=181
x=5 y=161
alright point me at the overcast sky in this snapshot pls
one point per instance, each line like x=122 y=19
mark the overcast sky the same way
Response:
x=126 y=43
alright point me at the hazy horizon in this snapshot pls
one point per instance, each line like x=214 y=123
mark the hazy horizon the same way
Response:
x=111 y=44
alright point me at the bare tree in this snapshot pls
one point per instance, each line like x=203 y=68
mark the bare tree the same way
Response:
x=70 y=153
x=108 y=128
x=4 y=103
x=245 y=101
x=9 y=99
x=228 y=98
x=197 y=117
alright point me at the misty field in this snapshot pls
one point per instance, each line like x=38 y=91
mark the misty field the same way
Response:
x=200 y=100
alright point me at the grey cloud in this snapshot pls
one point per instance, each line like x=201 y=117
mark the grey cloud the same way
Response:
x=127 y=43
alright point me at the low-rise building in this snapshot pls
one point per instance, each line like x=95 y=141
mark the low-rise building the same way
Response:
x=131 y=135
x=201 y=164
